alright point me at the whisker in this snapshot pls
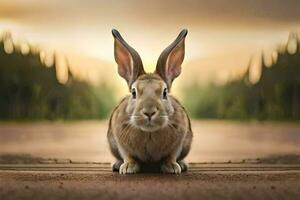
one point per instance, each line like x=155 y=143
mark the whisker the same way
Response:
x=124 y=132
x=136 y=116
x=171 y=125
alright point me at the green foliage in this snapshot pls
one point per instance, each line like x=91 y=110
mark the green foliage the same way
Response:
x=30 y=90
x=275 y=96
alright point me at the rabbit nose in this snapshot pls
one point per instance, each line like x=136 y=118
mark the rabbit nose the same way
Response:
x=149 y=113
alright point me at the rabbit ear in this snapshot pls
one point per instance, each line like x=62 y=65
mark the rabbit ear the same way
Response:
x=130 y=65
x=170 y=60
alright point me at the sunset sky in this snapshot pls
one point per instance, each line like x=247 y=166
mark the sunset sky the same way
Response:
x=223 y=34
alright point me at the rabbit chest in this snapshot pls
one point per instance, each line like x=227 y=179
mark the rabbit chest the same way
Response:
x=153 y=146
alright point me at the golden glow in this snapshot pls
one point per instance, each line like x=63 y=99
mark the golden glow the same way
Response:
x=8 y=46
x=218 y=47
x=8 y=25
x=24 y=48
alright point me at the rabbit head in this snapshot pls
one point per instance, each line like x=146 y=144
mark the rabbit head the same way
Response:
x=149 y=106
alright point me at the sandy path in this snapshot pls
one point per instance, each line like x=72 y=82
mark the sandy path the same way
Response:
x=225 y=181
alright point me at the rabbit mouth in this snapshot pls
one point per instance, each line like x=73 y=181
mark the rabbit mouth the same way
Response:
x=149 y=125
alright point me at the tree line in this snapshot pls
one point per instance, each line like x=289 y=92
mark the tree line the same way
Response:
x=29 y=88
x=275 y=96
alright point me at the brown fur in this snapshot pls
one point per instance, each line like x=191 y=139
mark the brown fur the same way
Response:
x=150 y=147
x=149 y=126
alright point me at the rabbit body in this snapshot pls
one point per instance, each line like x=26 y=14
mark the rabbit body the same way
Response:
x=150 y=125
x=174 y=139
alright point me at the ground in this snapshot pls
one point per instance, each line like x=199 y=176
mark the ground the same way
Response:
x=262 y=162
x=203 y=181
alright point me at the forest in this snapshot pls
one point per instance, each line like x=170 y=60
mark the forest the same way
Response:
x=275 y=96
x=30 y=89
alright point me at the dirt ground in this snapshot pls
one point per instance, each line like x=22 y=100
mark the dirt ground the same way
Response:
x=262 y=162
x=226 y=181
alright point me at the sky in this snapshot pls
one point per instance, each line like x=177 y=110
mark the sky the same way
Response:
x=223 y=34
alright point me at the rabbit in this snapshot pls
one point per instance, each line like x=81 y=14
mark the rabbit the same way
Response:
x=149 y=125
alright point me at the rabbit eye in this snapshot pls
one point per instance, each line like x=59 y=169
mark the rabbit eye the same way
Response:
x=133 y=92
x=165 y=92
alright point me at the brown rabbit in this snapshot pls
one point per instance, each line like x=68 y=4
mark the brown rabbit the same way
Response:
x=149 y=126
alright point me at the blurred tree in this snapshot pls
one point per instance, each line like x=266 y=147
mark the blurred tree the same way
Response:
x=276 y=95
x=29 y=89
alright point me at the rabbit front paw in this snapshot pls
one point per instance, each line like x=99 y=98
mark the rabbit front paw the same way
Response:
x=116 y=166
x=184 y=166
x=171 y=168
x=129 y=168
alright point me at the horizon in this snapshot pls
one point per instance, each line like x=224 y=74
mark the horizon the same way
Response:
x=218 y=47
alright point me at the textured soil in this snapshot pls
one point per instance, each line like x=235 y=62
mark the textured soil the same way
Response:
x=97 y=182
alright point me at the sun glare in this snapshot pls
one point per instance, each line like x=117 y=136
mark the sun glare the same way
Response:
x=8 y=25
